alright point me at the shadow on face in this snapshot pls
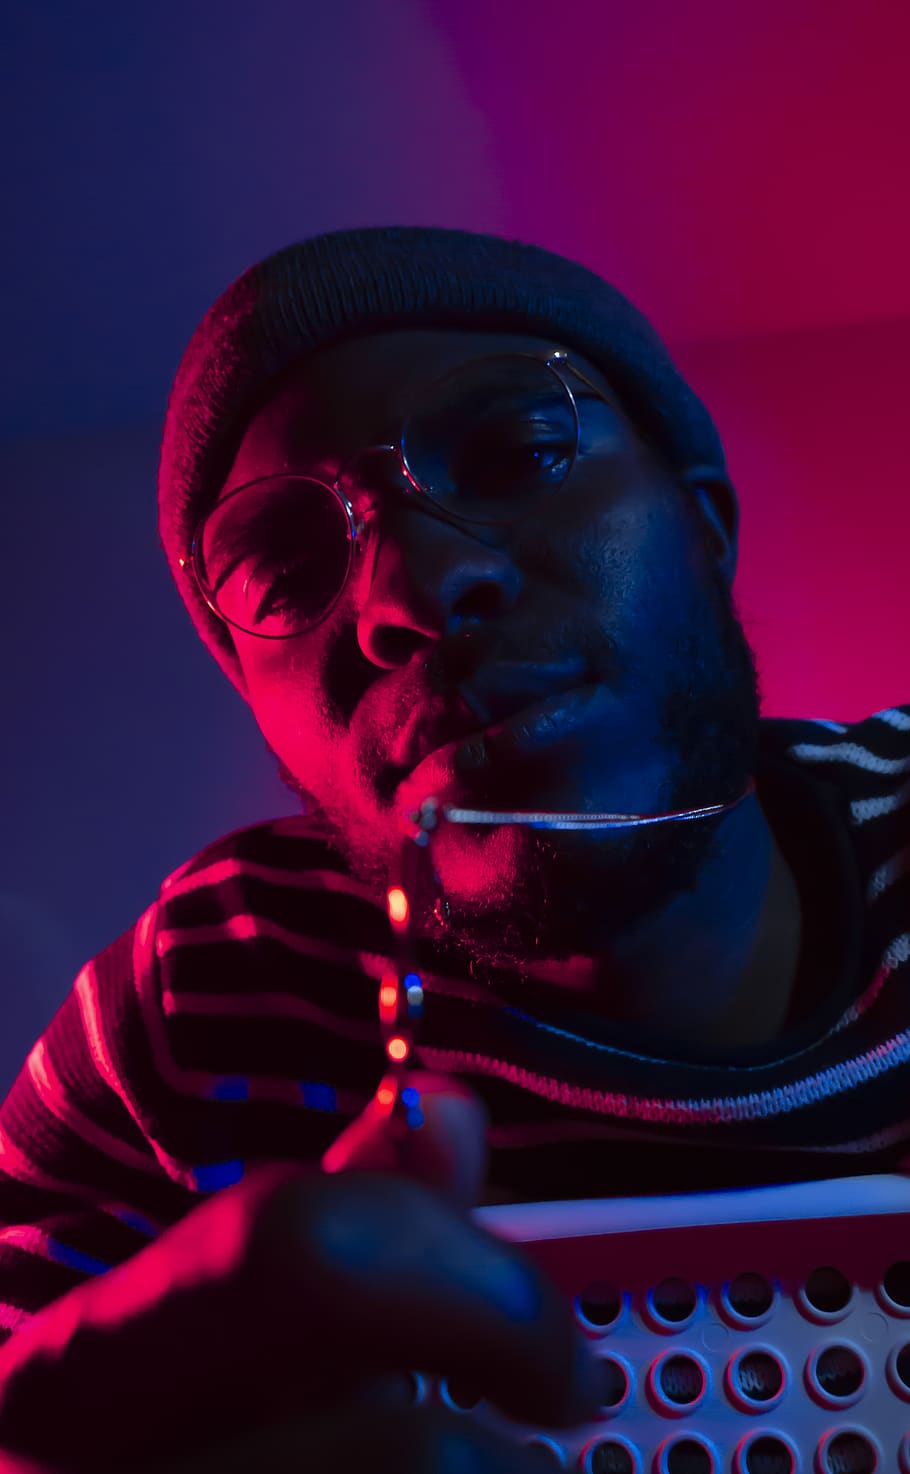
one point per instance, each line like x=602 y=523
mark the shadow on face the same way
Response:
x=621 y=574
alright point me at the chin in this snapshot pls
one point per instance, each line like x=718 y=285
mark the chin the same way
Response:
x=480 y=865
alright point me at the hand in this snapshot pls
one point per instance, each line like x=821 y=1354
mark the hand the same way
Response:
x=263 y=1332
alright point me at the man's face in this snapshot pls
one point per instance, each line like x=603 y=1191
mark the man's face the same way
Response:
x=611 y=584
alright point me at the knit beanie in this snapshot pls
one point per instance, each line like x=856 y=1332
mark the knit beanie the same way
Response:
x=352 y=282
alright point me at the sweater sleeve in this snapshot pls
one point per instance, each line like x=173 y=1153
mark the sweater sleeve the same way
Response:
x=85 y=1182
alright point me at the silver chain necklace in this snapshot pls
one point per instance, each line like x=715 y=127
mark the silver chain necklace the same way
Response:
x=401 y=994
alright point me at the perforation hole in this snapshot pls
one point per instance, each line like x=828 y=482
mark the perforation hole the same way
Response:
x=749 y=1296
x=599 y=1305
x=756 y=1378
x=837 y=1374
x=614 y=1383
x=689 y=1456
x=460 y=1394
x=678 y=1381
x=896 y=1284
x=827 y=1291
x=611 y=1456
x=545 y=1454
x=766 y=1454
x=897 y=1369
x=673 y=1301
x=849 y=1452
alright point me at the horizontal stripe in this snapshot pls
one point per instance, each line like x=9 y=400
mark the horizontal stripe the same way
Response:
x=86 y=990
x=899 y=720
x=718 y=1111
x=216 y=874
x=154 y=1082
x=854 y=754
x=250 y=928
x=17 y=1164
x=266 y=1005
x=49 y=1090
x=888 y=874
x=32 y=1240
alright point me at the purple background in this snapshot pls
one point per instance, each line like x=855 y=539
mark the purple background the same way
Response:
x=742 y=177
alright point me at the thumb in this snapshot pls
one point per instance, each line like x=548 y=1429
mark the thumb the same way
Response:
x=447 y=1151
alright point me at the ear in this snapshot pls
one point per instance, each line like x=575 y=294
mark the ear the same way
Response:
x=717 y=509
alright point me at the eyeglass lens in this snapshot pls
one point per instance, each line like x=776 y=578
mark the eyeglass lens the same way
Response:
x=486 y=443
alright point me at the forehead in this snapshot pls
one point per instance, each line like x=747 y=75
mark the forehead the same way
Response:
x=355 y=393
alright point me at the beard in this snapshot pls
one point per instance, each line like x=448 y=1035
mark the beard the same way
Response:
x=510 y=893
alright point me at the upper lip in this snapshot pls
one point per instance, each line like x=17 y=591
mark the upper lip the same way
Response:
x=490 y=695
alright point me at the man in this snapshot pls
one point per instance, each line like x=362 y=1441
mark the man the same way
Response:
x=447 y=516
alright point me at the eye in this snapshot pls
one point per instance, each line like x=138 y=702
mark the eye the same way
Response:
x=277 y=592
x=510 y=456
x=601 y=428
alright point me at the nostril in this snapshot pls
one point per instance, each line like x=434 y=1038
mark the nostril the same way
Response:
x=483 y=601
x=395 y=645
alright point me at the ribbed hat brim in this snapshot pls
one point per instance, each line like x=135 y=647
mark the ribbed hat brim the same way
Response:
x=353 y=282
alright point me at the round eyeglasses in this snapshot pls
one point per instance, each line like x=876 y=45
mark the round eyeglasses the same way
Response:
x=486 y=444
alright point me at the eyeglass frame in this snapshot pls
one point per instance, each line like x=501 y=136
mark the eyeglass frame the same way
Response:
x=554 y=360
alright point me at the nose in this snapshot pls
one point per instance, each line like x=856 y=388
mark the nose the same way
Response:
x=428 y=577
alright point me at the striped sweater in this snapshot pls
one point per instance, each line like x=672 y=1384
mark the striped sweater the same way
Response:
x=236 y=1022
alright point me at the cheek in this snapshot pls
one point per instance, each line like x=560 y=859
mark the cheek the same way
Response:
x=643 y=562
x=286 y=702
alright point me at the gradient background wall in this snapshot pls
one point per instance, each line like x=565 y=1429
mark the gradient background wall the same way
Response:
x=740 y=171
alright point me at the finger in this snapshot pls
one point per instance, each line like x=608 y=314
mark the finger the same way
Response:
x=447 y=1150
x=144 y=1345
x=279 y=1294
x=393 y=1278
x=417 y=1441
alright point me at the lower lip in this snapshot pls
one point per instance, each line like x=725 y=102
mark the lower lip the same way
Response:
x=533 y=729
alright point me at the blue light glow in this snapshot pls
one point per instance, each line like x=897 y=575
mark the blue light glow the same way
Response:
x=136 y=1221
x=410 y=1096
x=232 y=1087
x=318 y=1097
x=75 y=1259
x=216 y=1175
